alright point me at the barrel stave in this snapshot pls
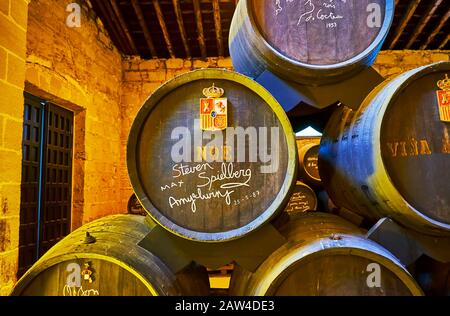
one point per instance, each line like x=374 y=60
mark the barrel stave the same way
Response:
x=118 y=264
x=318 y=245
x=177 y=194
x=354 y=159
x=298 y=43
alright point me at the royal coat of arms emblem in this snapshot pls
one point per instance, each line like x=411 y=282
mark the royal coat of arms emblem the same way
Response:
x=213 y=110
x=443 y=97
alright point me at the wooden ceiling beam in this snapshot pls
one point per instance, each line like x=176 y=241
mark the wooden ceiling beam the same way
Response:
x=423 y=22
x=110 y=21
x=148 y=38
x=199 y=22
x=162 y=23
x=124 y=26
x=218 y=27
x=404 y=21
x=179 y=15
x=444 y=42
x=436 y=30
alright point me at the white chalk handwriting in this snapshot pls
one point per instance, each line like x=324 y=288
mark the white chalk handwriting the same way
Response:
x=220 y=185
x=78 y=291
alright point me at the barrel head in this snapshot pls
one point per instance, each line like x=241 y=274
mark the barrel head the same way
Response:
x=66 y=279
x=339 y=275
x=415 y=146
x=308 y=153
x=211 y=185
x=303 y=199
x=320 y=32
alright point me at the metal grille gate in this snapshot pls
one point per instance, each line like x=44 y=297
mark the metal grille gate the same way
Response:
x=46 y=179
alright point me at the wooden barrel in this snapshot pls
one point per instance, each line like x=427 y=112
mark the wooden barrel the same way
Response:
x=433 y=276
x=308 y=157
x=108 y=263
x=310 y=42
x=325 y=256
x=303 y=199
x=325 y=204
x=392 y=156
x=134 y=207
x=212 y=186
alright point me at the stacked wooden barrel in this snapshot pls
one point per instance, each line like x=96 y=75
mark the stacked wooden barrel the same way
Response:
x=312 y=42
x=304 y=196
x=134 y=207
x=308 y=155
x=212 y=158
x=303 y=199
x=212 y=190
x=325 y=255
x=389 y=158
x=392 y=156
x=103 y=258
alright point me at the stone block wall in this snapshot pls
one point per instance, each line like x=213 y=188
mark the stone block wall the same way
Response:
x=80 y=69
x=392 y=63
x=13 y=29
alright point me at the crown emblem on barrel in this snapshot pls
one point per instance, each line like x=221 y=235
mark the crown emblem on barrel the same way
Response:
x=213 y=92
x=213 y=109
x=443 y=97
x=444 y=84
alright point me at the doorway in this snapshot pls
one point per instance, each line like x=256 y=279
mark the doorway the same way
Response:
x=46 y=189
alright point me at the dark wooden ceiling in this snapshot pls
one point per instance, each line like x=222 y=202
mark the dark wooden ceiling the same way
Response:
x=200 y=28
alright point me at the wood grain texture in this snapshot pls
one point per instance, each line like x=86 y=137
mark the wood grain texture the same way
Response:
x=431 y=9
x=123 y=25
x=404 y=22
x=391 y=157
x=167 y=192
x=312 y=33
x=329 y=281
x=218 y=26
x=110 y=280
x=120 y=267
x=162 y=24
x=308 y=41
x=324 y=255
x=199 y=24
x=436 y=31
x=148 y=38
x=180 y=22
x=421 y=172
